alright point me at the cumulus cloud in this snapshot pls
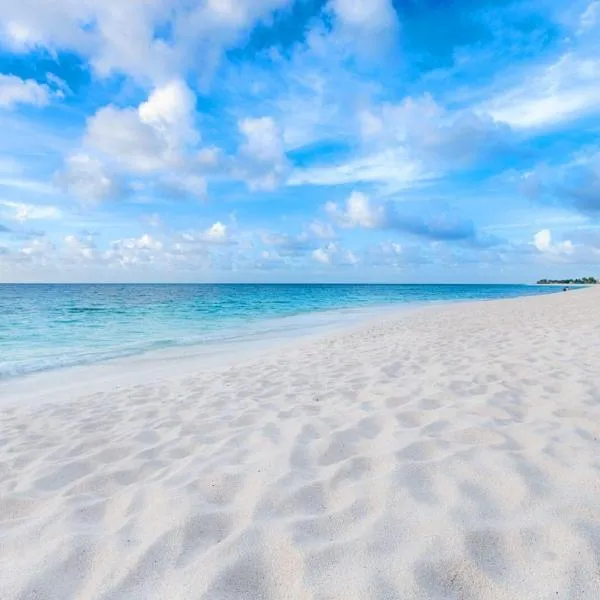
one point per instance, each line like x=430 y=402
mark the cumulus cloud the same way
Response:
x=86 y=178
x=151 y=137
x=80 y=247
x=157 y=139
x=321 y=231
x=358 y=211
x=542 y=241
x=128 y=37
x=365 y=26
x=134 y=251
x=261 y=160
x=441 y=225
x=413 y=142
x=197 y=242
x=299 y=245
x=372 y=15
x=429 y=133
x=15 y=91
x=332 y=254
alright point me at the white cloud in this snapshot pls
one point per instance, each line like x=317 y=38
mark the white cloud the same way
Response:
x=152 y=137
x=323 y=255
x=558 y=92
x=80 y=247
x=134 y=251
x=365 y=28
x=38 y=249
x=156 y=139
x=437 y=225
x=321 y=231
x=126 y=37
x=261 y=161
x=15 y=91
x=332 y=254
x=21 y=211
x=542 y=241
x=216 y=234
x=394 y=169
x=430 y=137
x=170 y=110
x=373 y=15
x=86 y=178
x=122 y=136
x=263 y=139
x=357 y=212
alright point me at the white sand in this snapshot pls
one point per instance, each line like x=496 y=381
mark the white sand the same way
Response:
x=453 y=453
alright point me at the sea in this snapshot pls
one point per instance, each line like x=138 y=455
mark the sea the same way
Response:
x=49 y=326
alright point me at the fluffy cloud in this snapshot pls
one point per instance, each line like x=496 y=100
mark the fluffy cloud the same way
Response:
x=261 y=161
x=304 y=243
x=332 y=254
x=126 y=258
x=15 y=91
x=413 y=142
x=150 y=138
x=429 y=133
x=157 y=139
x=542 y=241
x=80 y=247
x=128 y=37
x=360 y=211
x=366 y=27
x=134 y=251
x=371 y=15
x=85 y=177
x=321 y=231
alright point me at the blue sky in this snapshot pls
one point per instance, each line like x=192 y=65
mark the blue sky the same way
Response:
x=299 y=140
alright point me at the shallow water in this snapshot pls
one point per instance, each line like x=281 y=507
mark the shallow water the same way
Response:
x=49 y=326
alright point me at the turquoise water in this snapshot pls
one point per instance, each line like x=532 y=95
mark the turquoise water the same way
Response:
x=50 y=326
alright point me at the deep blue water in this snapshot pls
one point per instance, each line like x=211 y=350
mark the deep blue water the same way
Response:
x=48 y=326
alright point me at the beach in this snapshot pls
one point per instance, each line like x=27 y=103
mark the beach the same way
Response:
x=448 y=452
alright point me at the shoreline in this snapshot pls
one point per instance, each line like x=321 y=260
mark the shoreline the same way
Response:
x=448 y=453
x=127 y=369
x=90 y=346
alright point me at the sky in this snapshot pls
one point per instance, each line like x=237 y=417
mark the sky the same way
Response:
x=299 y=140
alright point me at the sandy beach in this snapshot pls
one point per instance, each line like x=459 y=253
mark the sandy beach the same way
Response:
x=451 y=452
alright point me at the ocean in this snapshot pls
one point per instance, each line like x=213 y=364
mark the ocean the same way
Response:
x=50 y=326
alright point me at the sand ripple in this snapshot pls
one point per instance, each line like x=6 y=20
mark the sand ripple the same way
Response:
x=453 y=454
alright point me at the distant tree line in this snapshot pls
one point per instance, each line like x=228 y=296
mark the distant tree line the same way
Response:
x=580 y=281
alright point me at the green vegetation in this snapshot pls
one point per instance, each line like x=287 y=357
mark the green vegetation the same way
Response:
x=581 y=281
